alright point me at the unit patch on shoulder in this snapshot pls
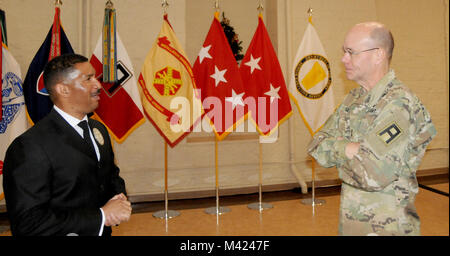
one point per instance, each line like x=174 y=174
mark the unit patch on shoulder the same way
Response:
x=390 y=133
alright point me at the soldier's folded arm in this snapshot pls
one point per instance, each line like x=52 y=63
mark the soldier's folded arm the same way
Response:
x=382 y=152
x=325 y=147
x=395 y=143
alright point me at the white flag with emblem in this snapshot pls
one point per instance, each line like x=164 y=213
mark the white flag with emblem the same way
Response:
x=310 y=83
x=14 y=120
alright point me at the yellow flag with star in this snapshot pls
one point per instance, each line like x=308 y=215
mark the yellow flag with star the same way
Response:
x=310 y=84
x=167 y=88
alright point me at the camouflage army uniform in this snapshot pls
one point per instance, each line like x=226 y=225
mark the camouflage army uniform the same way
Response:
x=379 y=184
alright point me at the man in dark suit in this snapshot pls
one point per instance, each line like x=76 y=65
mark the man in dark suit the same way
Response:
x=60 y=177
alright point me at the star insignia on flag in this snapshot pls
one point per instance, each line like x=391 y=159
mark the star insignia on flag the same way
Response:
x=273 y=93
x=253 y=63
x=204 y=53
x=219 y=75
x=235 y=99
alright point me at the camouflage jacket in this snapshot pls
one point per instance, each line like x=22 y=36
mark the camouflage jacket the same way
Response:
x=379 y=183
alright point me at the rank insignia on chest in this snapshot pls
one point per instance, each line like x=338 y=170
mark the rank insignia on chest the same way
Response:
x=390 y=133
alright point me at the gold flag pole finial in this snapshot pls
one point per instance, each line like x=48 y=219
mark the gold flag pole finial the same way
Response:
x=217 y=8
x=109 y=5
x=165 y=5
x=58 y=3
x=260 y=7
x=310 y=12
x=216 y=5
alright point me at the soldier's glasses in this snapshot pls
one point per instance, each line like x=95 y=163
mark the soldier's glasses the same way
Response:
x=352 y=53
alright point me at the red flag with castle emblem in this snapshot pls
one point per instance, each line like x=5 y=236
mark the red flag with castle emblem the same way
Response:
x=166 y=86
x=217 y=75
x=267 y=95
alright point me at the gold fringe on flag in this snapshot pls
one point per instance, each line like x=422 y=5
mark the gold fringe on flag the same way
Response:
x=109 y=44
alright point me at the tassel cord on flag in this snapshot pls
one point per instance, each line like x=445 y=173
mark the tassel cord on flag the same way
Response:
x=109 y=44
x=166 y=213
x=55 y=44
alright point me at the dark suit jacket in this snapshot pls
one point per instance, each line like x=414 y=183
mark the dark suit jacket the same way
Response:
x=53 y=186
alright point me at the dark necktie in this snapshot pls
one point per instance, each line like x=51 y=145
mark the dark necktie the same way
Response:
x=87 y=137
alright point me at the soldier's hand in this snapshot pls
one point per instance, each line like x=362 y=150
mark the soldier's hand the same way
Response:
x=351 y=149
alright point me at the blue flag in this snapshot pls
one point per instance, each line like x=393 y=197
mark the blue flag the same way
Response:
x=37 y=100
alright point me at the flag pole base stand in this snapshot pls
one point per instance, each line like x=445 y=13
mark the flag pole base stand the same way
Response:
x=217 y=210
x=163 y=215
x=309 y=201
x=260 y=206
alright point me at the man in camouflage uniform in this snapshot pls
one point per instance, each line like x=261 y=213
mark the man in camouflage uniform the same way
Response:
x=376 y=139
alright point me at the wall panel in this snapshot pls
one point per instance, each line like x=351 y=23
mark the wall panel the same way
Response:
x=420 y=29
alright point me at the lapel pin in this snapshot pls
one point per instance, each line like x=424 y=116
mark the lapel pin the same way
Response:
x=98 y=136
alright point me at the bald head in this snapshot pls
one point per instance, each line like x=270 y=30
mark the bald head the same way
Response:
x=377 y=35
x=367 y=53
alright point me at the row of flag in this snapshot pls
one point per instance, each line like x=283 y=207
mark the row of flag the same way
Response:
x=215 y=87
x=13 y=120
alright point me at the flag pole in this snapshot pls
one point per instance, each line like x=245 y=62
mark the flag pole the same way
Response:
x=218 y=210
x=260 y=205
x=312 y=201
x=166 y=214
